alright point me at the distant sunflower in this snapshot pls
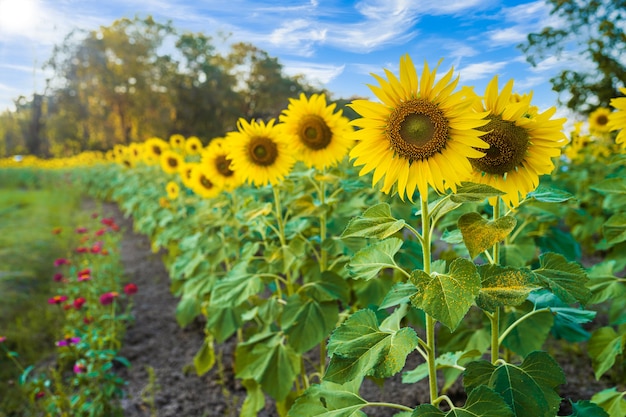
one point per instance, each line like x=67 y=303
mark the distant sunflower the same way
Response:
x=599 y=120
x=617 y=119
x=521 y=145
x=421 y=134
x=203 y=184
x=153 y=148
x=185 y=173
x=320 y=136
x=136 y=151
x=216 y=163
x=177 y=141
x=171 y=161
x=259 y=154
x=173 y=190
x=193 y=145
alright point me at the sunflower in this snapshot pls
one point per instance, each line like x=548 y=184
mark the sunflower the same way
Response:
x=617 y=120
x=136 y=151
x=171 y=161
x=421 y=134
x=259 y=154
x=320 y=136
x=214 y=160
x=193 y=145
x=173 y=189
x=203 y=184
x=153 y=148
x=599 y=120
x=521 y=144
x=177 y=141
x=185 y=172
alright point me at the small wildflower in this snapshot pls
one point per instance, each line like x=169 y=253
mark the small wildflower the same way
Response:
x=39 y=395
x=108 y=297
x=100 y=232
x=108 y=221
x=88 y=319
x=130 y=289
x=104 y=252
x=57 y=299
x=81 y=230
x=79 y=302
x=68 y=341
x=2 y=339
x=58 y=277
x=61 y=261
x=82 y=249
x=57 y=230
x=80 y=368
x=94 y=215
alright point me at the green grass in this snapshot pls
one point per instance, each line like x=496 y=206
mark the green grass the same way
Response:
x=28 y=249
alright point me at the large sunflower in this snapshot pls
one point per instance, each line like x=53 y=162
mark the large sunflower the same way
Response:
x=216 y=163
x=617 y=119
x=599 y=120
x=259 y=154
x=203 y=184
x=153 y=148
x=319 y=135
x=171 y=161
x=521 y=144
x=421 y=134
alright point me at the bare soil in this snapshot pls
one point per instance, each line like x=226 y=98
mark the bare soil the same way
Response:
x=154 y=342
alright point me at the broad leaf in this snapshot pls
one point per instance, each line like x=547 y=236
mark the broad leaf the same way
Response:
x=611 y=186
x=327 y=400
x=187 y=310
x=530 y=389
x=614 y=229
x=567 y=320
x=603 y=283
x=447 y=297
x=446 y=360
x=359 y=348
x=308 y=322
x=611 y=401
x=223 y=322
x=503 y=286
x=255 y=399
x=472 y=192
x=330 y=287
x=481 y=402
x=604 y=346
x=367 y=263
x=587 y=409
x=205 y=358
x=530 y=334
x=235 y=288
x=399 y=294
x=375 y=222
x=565 y=279
x=480 y=234
x=550 y=195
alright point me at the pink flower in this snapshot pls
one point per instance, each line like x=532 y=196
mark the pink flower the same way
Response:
x=108 y=221
x=61 y=261
x=96 y=248
x=39 y=395
x=58 y=277
x=80 y=368
x=2 y=339
x=57 y=299
x=68 y=341
x=84 y=274
x=82 y=249
x=81 y=230
x=79 y=302
x=130 y=289
x=100 y=232
x=108 y=297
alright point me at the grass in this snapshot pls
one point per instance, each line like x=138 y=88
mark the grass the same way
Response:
x=28 y=249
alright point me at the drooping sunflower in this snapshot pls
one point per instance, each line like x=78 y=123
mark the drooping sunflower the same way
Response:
x=617 y=119
x=521 y=144
x=173 y=190
x=216 y=163
x=177 y=141
x=171 y=161
x=599 y=120
x=259 y=153
x=193 y=146
x=421 y=134
x=320 y=136
x=153 y=148
x=203 y=184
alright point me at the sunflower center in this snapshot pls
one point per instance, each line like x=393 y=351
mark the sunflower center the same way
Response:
x=262 y=151
x=417 y=129
x=205 y=182
x=507 y=146
x=314 y=132
x=602 y=120
x=223 y=166
x=173 y=162
x=156 y=150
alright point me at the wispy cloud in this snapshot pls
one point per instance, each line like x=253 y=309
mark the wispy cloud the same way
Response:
x=320 y=73
x=480 y=70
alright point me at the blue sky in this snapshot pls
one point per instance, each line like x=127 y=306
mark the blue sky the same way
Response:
x=336 y=44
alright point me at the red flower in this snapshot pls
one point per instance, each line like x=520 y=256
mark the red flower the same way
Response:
x=67 y=306
x=108 y=221
x=79 y=302
x=87 y=319
x=108 y=297
x=39 y=395
x=82 y=249
x=61 y=261
x=96 y=248
x=84 y=274
x=101 y=231
x=58 y=277
x=130 y=289
x=57 y=299
x=81 y=230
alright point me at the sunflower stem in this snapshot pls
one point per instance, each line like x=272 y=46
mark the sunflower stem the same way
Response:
x=281 y=238
x=431 y=349
x=495 y=317
x=323 y=220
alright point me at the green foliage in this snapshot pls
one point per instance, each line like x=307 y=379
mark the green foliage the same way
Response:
x=375 y=222
x=367 y=263
x=480 y=234
x=611 y=401
x=328 y=400
x=503 y=286
x=481 y=402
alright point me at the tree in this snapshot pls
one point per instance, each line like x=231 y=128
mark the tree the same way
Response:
x=593 y=30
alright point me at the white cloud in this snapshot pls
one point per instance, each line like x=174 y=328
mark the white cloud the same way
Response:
x=321 y=73
x=480 y=70
x=299 y=36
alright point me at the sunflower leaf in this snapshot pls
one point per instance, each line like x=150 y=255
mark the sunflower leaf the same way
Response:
x=503 y=286
x=472 y=192
x=375 y=222
x=565 y=279
x=480 y=234
x=328 y=400
x=614 y=229
x=611 y=401
x=367 y=263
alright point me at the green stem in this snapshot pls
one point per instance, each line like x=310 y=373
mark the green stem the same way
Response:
x=495 y=317
x=323 y=221
x=430 y=321
x=520 y=320
x=390 y=405
x=281 y=236
x=10 y=356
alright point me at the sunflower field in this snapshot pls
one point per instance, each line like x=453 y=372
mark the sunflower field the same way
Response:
x=472 y=230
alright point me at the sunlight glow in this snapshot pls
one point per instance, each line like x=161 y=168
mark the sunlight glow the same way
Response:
x=17 y=16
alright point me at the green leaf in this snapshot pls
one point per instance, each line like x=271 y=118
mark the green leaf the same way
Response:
x=359 y=348
x=611 y=186
x=367 y=263
x=327 y=400
x=481 y=402
x=236 y=287
x=587 y=409
x=331 y=286
x=503 y=286
x=269 y=362
x=205 y=358
x=447 y=297
x=308 y=322
x=567 y=320
x=480 y=234
x=223 y=322
x=550 y=195
x=611 y=401
x=471 y=192
x=614 y=229
x=603 y=283
x=188 y=308
x=399 y=294
x=530 y=334
x=528 y=389
x=255 y=399
x=375 y=222
x=604 y=346
x=446 y=360
x=565 y=279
